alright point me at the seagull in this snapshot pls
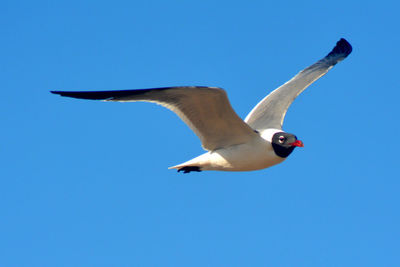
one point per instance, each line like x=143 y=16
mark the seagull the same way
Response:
x=232 y=144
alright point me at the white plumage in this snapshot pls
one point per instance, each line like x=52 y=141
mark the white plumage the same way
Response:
x=233 y=144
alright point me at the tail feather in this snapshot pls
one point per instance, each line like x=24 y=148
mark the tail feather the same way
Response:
x=186 y=169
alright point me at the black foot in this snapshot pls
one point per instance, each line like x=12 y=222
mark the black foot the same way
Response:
x=188 y=169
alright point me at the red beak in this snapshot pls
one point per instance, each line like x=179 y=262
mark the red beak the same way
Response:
x=297 y=143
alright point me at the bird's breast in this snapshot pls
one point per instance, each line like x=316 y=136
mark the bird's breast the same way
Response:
x=255 y=155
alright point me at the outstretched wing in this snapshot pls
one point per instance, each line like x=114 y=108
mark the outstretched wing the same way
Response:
x=271 y=111
x=206 y=110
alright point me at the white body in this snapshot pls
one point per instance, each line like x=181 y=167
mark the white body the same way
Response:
x=255 y=154
x=232 y=144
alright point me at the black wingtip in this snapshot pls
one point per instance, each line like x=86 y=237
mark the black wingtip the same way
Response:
x=114 y=94
x=98 y=95
x=342 y=48
x=60 y=93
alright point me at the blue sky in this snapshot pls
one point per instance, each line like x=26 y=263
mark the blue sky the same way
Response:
x=86 y=183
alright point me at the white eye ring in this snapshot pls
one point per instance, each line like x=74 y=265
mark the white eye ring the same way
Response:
x=282 y=139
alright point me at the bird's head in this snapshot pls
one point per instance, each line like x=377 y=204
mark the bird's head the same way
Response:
x=284 y=143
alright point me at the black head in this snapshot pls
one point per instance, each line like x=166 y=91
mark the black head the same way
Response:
x=284 y=143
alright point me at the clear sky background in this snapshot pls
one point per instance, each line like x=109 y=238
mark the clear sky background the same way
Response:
x=85 y=183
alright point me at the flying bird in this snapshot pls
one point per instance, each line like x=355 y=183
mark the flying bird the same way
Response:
x=232 y=144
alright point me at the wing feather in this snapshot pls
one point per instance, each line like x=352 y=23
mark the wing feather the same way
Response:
x=271 y=111
x=206 y=110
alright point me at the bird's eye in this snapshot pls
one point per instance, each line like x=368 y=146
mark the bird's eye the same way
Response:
x=282 y=139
